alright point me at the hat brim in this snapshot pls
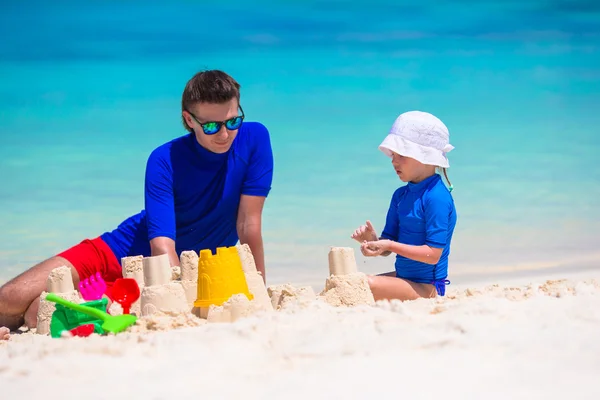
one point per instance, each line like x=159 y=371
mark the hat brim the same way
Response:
x=406 y=148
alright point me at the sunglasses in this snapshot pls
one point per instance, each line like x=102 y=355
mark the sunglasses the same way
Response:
x=212 y=127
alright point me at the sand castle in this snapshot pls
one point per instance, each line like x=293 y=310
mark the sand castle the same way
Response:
x=219 y=298
x=132 y=267
x=229 y=285
x=345 y=285
x=221 y=287
x=342 y=261
x=160 y=293
x=60 y=282
x=241 y=305
x=189 y=276
x=254 y=279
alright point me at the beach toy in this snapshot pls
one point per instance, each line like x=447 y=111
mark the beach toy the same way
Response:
x=65 y=319
x=110 y=323
x=83 y=330
x=92 y=288
x=220 y=276
x=125 y=292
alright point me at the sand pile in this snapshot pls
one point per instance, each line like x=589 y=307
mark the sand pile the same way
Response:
x=553 y=288
x=285 y=296
x=345 y=285
x=168 y=294
x=537 y=341
x=342 y=261
x=132 y=267
x=238 y=306
x=166 y=322
x=256 y=284
x=60 y=282
x=348 y=290
x=160 y=293
x=189 y=276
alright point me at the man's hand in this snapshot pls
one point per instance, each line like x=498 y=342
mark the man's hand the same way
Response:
x=164 y=245
x=249 y=228
x=375 y=248
x=365 y=232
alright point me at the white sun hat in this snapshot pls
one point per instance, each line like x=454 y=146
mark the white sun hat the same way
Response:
x=421 y=136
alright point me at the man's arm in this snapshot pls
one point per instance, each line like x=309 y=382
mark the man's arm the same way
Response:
x=249 y=228
x=160 y=205
x=255 y=189
x=164 y=245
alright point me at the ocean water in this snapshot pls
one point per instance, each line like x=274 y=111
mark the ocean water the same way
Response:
x=89 y=89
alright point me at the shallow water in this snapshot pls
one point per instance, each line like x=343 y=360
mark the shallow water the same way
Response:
x=88 y=90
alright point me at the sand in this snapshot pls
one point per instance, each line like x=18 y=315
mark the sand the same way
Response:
x=530 y=341
x=348 y=290
x=342 y=261
x=238 y=306
x=168 y=297
x=132 y=267
x=60 y=282
x=254 y=280
x=287 y=296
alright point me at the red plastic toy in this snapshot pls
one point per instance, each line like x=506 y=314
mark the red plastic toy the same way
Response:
x=126 y=291
x=83 y=330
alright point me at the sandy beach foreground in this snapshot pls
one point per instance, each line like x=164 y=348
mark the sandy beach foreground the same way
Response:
x=539 y=340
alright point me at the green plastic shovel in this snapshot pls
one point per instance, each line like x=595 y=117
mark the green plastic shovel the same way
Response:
x=111 y=323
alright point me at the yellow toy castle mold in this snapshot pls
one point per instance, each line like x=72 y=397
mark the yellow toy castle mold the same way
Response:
x=220 y=276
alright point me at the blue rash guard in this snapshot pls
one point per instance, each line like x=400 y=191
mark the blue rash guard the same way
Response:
x=192 y=195
x=422 y=213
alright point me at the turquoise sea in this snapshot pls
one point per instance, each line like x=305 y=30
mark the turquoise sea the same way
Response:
x=89 y=89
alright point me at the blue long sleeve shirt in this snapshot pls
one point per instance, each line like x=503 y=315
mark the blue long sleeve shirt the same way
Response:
x=422 y=213
x=192 y=195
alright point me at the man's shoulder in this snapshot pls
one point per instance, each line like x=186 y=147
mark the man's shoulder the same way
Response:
x=165 y=149
x=253 y=132
x=252 y=136
x=254 y=127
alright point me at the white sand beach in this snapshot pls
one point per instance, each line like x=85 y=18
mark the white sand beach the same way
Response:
x=524 y=341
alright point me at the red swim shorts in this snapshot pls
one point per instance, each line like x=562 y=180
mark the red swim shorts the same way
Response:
x=91 y=256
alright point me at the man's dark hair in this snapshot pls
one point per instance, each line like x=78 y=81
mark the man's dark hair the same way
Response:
x=211 y=86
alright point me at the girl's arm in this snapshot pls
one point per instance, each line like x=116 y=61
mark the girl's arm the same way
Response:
x=438 y=210
x=392 y=225
x=425 y=254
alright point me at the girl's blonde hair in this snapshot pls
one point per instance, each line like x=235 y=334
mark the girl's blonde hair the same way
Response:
x=450 y=187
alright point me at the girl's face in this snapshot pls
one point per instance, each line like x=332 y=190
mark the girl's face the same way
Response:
x=410 y=170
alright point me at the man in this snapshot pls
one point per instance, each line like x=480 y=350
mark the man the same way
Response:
x=202 y=191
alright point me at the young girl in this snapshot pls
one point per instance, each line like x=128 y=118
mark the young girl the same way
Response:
x=421 y=217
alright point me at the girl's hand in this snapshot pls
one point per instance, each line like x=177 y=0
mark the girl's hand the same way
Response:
x=375 y=248
x=365 y=233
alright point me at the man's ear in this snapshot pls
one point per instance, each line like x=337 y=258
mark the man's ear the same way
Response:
x=188 y=119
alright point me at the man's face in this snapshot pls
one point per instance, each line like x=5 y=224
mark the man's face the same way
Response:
x=221 y=141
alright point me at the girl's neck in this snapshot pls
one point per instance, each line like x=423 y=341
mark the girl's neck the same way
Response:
x=423 y=176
